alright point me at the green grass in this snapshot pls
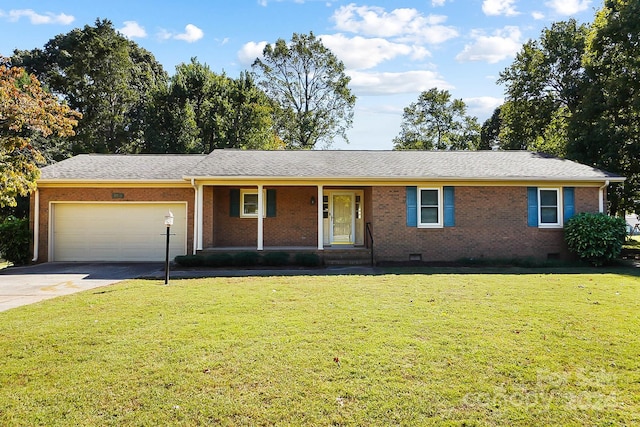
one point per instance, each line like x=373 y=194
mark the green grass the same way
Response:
x=413 y=349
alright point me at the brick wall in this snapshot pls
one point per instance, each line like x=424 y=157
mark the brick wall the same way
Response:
x=48 y=195
x=490 y=222
x=295 y=223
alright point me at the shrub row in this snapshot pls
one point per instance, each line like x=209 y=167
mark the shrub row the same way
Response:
x=15 y=240
x=248 y=259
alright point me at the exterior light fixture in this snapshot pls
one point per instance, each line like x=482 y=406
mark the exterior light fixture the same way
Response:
x=168 y=222
x=313 y=200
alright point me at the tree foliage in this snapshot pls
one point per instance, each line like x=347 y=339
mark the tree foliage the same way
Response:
x=606 y=131
x=200 y=111
x=308 y=83
x=15 y=240
x=436 y=122
x=103 y=75
x=542 y=88
x=26 y=112
x=490 y=131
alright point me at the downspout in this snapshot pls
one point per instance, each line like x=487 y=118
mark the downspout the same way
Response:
x=195 y=216
x=601 y=196
x=36 y=225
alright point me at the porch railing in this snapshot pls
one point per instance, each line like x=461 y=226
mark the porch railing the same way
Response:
x=370 y=240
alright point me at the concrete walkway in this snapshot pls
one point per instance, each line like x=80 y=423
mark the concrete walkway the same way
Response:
x=27 y=285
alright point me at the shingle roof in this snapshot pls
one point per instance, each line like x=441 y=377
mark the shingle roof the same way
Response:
x=122 y=167
x=326 y=164
x=394 y=165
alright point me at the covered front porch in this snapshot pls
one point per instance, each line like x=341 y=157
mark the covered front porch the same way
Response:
x=278 y=217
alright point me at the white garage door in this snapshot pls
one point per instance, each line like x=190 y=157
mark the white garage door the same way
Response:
x=117 y=231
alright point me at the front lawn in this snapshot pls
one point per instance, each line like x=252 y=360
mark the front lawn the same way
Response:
x=413 y=349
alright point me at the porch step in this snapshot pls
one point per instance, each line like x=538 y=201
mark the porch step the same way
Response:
x=347 y=257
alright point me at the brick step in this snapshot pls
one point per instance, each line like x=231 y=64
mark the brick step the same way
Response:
x=357 y=257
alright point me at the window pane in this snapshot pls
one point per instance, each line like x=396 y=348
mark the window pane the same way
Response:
x=429 y=215
x=250 y=204
x=548 y=198
x=549 y=215
x=429 y=197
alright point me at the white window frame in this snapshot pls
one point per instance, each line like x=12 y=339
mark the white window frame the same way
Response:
x=440 y=222
x=558 y=223
x=249 y=191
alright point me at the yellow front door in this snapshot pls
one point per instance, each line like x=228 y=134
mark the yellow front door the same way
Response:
x=342 y=219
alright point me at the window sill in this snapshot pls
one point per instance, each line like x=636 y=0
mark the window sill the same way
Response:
x=550 y=226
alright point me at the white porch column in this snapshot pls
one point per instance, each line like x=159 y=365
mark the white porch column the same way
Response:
x=320 y=204
x=260 y=219
x=199 y=215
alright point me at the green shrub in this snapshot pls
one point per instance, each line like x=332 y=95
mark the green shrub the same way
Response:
x=246 y=259
x=15 y=240
x=190 y=260
x=307 y=260
x=218 y=260
x=275 y=259
x=595 y=238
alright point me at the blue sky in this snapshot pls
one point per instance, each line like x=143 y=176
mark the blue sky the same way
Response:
x=392 y=50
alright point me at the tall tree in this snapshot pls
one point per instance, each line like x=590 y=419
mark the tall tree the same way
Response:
x=106 y=77
x=542 y=88
x=26 y=111
x=310 y=86
x=490 y=132
x=606 y=130
x=200 y=111
x=437 y=122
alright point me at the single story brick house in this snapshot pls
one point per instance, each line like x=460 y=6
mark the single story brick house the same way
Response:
x=406 y=205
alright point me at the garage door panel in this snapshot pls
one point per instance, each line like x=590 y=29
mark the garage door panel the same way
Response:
x=116 y=231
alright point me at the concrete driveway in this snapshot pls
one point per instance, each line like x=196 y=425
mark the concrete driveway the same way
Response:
x=26 y=285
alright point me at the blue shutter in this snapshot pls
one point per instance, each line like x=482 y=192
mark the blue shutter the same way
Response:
x=234 y=202
x=569 y=200
x=412 y=206
x=449 y=207
x=532 y=206
x=271 y=203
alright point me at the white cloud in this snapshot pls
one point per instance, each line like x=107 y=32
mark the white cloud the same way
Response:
x=502 y=44
x=363 y=53
x=250 y=51
x=405 y=23
x=191 y=34
x=164 y=34
x=132 y=30
x=483 y=106
x=364 y=83
x=500 y=7
x=537 y=15
x=436 y=3
x=568 y=7
x=38 y=19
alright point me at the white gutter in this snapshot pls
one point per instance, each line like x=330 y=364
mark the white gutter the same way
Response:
x=601 y=196
x=376 y=179
x=36 y=225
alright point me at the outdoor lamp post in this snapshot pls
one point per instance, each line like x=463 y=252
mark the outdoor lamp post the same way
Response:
x=168 y=222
